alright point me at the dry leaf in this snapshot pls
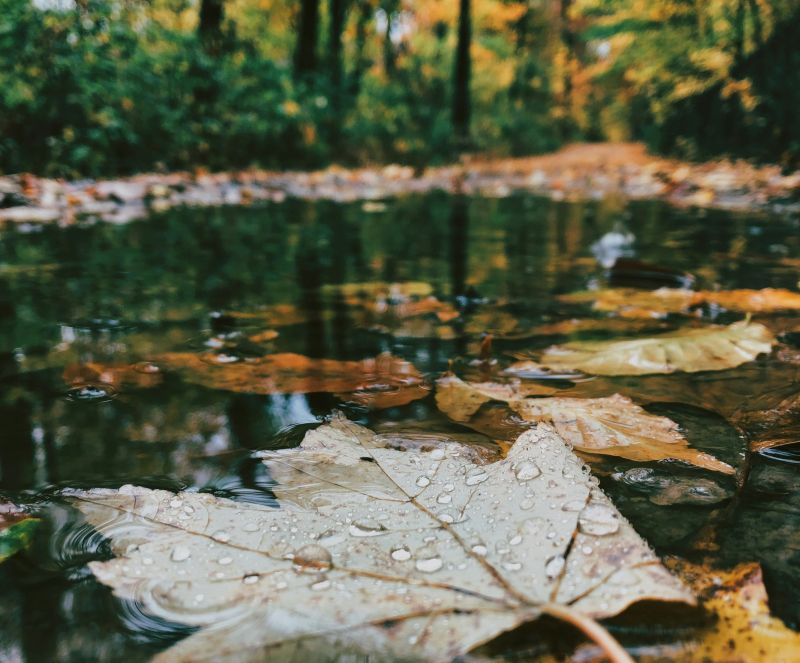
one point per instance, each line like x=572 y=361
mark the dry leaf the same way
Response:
x=385 y=552
x=635 y=303
x=744 y=630
x=613 y=426
x=712 y=348
x=373 y=382
x=773 y=427
x=459 y=400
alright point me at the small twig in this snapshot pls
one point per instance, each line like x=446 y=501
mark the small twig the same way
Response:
x=613 y=650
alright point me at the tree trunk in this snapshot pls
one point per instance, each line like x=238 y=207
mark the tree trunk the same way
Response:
x=305 y=54
x=360 y=61
x=461 y=97
x=209 y=27
x=337 y=10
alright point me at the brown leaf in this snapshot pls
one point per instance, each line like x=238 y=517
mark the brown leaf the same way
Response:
x=635 y=303
x=613 y=426
x=459 y=400
x=143 y=374
x=711 y=348
x=616 y=426
x=383 y=381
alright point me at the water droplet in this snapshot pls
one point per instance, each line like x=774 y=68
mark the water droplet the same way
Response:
x=312 y=558
x=429 y=563
x=446 y=518
x=175 y=503
x=573 y=505
x=147 y=561
x=366 y=527
x=222 y=536
x=444 y=498
x=180 y=554
x=321 y=585
x=401 y=554
x=423 y=482
x=449 y=487
x=475 y=476
x=527 y=470
x=598 y=520
x=587 y=550
x=224 y=561
x=437 y=454
x=554 y=566
x=146 y=367
x=512 y=565
x=251 y=527
x=526 y=504
x=251 y=579
x=515 y=540
x=480 y=549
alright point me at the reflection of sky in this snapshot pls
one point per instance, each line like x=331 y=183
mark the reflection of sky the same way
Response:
x=289 y=410
x=55 y=5
x=402 y=25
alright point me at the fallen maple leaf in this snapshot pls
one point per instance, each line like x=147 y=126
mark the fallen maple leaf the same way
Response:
x=712 y=348
x=613 y=426
x=383 y=381
x=385 y=552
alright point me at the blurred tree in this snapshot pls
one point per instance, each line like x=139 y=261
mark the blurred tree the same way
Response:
x=209 y=26
x=462 y=74
x=305 y=54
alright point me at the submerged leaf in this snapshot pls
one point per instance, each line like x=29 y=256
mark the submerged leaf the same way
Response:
x=712 y=348
x=613 y=426
x=16 y=529
x=381 y=551
x=384 y=381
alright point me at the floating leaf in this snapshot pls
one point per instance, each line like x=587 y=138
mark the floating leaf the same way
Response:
x=16 y=529
x=383 y=381
x=460 y=400
x=712 y=348
x=613 y=426
x=744 y=629
x=635 y=303
x=380 y=551
x=773 y=427
x=142 y=374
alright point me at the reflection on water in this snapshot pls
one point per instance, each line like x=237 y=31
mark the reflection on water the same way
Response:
x=118 y=294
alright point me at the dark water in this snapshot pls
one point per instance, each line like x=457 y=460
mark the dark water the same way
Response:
x=109 y=294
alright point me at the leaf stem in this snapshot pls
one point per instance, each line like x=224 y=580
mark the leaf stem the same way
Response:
x=613 y=650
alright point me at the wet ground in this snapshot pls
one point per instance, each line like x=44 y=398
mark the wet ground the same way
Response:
x=216 y=282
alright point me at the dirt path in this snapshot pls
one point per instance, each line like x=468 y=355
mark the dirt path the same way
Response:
x=579 y=171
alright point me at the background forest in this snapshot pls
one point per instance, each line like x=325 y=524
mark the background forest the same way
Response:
x=91 y=88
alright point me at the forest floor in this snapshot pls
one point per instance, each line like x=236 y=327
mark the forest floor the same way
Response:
x=579 y=171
